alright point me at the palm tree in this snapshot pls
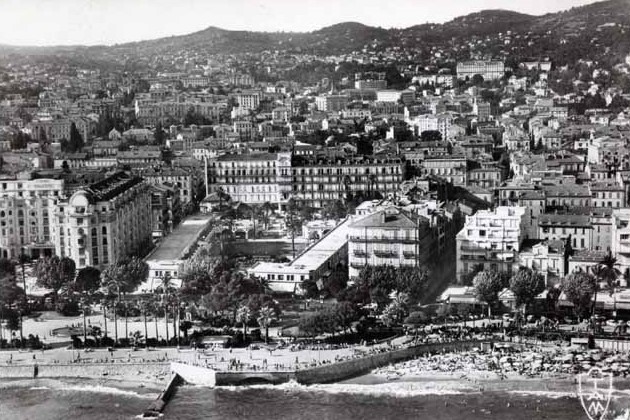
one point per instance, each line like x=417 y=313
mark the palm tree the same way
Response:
x=243 y=314
x=166 y=290
x=265 y=316
x=607 y=271
x=254 y=211
x=144 y=307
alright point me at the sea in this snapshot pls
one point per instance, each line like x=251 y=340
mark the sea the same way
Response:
x=89 y=400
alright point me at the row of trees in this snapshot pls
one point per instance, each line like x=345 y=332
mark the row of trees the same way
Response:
x=579 y=287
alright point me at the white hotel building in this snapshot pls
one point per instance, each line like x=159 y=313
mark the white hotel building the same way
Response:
x=104 y=222
x=27 y=208
x=490 y=238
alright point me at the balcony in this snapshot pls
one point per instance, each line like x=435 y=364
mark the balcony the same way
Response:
x=385 y=254
x=360 y=254
x=381 y=239
x=409 y=255
x=357 y=266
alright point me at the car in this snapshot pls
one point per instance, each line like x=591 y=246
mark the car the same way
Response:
x=568 y=320
x=611 y=322
x=507 y=317
x=532 y=318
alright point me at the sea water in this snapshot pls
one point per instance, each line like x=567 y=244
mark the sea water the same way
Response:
x=78 y=400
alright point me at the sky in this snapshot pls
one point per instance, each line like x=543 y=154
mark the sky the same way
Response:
x=90 y=22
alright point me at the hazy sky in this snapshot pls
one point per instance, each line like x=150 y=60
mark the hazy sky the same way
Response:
x=58 y=22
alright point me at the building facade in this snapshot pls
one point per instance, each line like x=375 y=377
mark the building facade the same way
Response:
x=390 y=237
x=492 y=239
x=27 y=208
x=104 y=222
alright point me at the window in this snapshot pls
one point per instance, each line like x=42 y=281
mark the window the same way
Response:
x=482 y=233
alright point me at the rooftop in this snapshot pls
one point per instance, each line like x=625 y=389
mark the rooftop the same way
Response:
x=173 y=246
x=387 y=219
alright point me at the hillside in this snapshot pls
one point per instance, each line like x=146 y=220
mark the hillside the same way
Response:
x=595 y=29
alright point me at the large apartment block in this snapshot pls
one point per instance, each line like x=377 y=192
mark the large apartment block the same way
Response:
x=390 y=237
x=252 y=178
x=27 y=209
x=489 y=70
x=104 y=222
x=320 y=181
x=490 y=238
x=276 y=177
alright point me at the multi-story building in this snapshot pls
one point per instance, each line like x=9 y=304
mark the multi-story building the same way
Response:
x=390 y=237
x=370 y=84
x=481 y=110
x=331 y=103
x=620 y=238
x=104 y=222
x=319 y=181
x=430 y=122
x=244 y=129
x=547 y=257
x=242 y=80
x=489 y=70
x=534 y=203
x=491 y=238
x=252 y=178
x=404 y=96
x=452 y=168
x=607 y=194
x=166 y=210
x=248 y=100
x=27 y=208
x=187 y=182
x=567 y=195
x=150 y=113
x=195 y=81
x=577 y=227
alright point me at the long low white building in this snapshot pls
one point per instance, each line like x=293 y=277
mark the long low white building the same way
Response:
x=314 y=263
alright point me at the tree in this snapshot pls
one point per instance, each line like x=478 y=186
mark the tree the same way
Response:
x=431 y=135
x=579 y=289
x=265 y=316
x=76 y=140
x=487 y=285
x=242 y=317
x=416 y=318
x=159 y=137
x=335 y=210
x=293 y=221
x=10 y=292
x=121 y=278
x=125 y=276
x=55 y=273
x=526 y=284
x=87 y=281
x=20 y=141
x=607 y=271
x=413 y=281
x=396 y=310
x=477 y=80
x=199 y=274
x=345 y=314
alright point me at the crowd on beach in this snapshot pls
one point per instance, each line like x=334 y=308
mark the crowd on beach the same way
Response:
x=508 y=360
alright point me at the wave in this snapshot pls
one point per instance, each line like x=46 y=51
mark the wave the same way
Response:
x=546 y=394
x=39 y=388
x=398 y=389
x=100 y=389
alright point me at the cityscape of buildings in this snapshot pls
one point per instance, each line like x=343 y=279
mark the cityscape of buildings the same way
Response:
x=477 y=161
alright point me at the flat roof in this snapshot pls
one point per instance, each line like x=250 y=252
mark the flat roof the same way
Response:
x=184 y=235
x=313 y=257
